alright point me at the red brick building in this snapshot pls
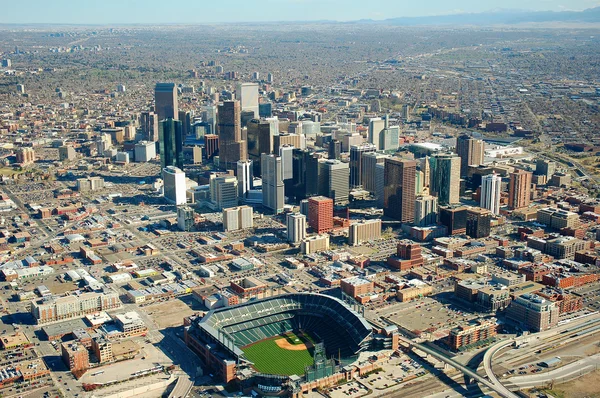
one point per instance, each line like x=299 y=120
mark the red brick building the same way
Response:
x=248 y=287
x=566 y=280
x=472 y=333
x=320 y=214
x=408 y=256
x=567 y=302
x=534 y=273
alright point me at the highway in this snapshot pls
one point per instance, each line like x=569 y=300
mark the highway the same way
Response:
x=564 y=373
x=487 y=362
x=498 y=388
x=583 y=324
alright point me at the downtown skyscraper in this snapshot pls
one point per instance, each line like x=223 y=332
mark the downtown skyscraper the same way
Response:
x=470 y=151
x=356 y=162
x=247 y=94
x=445 y=178
x=170 y=143
x=272 y=183
x=491 y=189
x=165 y=101
x=519 y=189
x=231 y=146
x=399 y=189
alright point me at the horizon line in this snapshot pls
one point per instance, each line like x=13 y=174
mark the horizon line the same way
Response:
x=246 y=22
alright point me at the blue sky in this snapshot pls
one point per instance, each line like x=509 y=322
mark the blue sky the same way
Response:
x=210 y=11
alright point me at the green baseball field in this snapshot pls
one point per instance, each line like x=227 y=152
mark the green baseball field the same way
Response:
x=282 y=355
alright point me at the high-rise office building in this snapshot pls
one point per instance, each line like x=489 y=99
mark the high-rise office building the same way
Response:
x=286 y=153
x=363 y=231
x=174 y=185
x=223 y=191
x=25 y=155
x=272 y=183
x=294 y=140
x=66 y=152
x=545 y=167
x=454 y=218
x=470 y=151
x=300 y=159
x=296 y=227
x=260 y=135
x=390 y=138
x=335 y=149
x=350 y=139
x=405 y=111
x=209 y=116
x=192 y=154
x=165 y=101
x=380 y=184
x=423 y=166
x=336 y=177
x=245 y=177
x=185 y=218
x=170 y=143
x=376 y=126
x=445 y=177
x=211 y=145
x=148 y=125
x=316 y=183
x=519 y=189
x=247 y=94
x=185 y=117
x=478 y=222
x=426 y=210
x=357 y=153
x=419 y=183
x=491 y=190
x=320 y=214
x=236 y=218
x=246 y=117
x=144 y=151
x=399 y=189
x=265 y=109
x=369 y=161
x=231 y=146
x=310 y=129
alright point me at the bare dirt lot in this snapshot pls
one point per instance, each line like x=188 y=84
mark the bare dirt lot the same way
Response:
x=171 y=313
x=586 y=386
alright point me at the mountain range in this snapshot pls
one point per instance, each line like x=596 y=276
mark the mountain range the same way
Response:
x=500 y=17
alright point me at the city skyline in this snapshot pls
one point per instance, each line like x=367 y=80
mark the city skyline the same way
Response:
x=155 y=12
x=288 y=199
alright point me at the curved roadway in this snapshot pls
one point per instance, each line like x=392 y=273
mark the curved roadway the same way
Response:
x=489 y=354
x=498 y=388
x=487 y=364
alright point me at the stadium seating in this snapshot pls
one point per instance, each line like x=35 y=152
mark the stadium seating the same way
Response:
x=343 y=331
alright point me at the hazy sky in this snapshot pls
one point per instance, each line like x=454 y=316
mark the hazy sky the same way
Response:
x=209 y=11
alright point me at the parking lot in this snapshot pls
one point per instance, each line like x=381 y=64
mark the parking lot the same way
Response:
x=352 y=389
x=426 y=314
x=148 y=357
x=396 y=371
x=591 y=295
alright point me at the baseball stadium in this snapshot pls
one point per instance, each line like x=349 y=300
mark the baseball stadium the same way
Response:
x=278 y=343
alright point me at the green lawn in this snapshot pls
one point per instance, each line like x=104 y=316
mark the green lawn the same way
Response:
x=269 y=358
